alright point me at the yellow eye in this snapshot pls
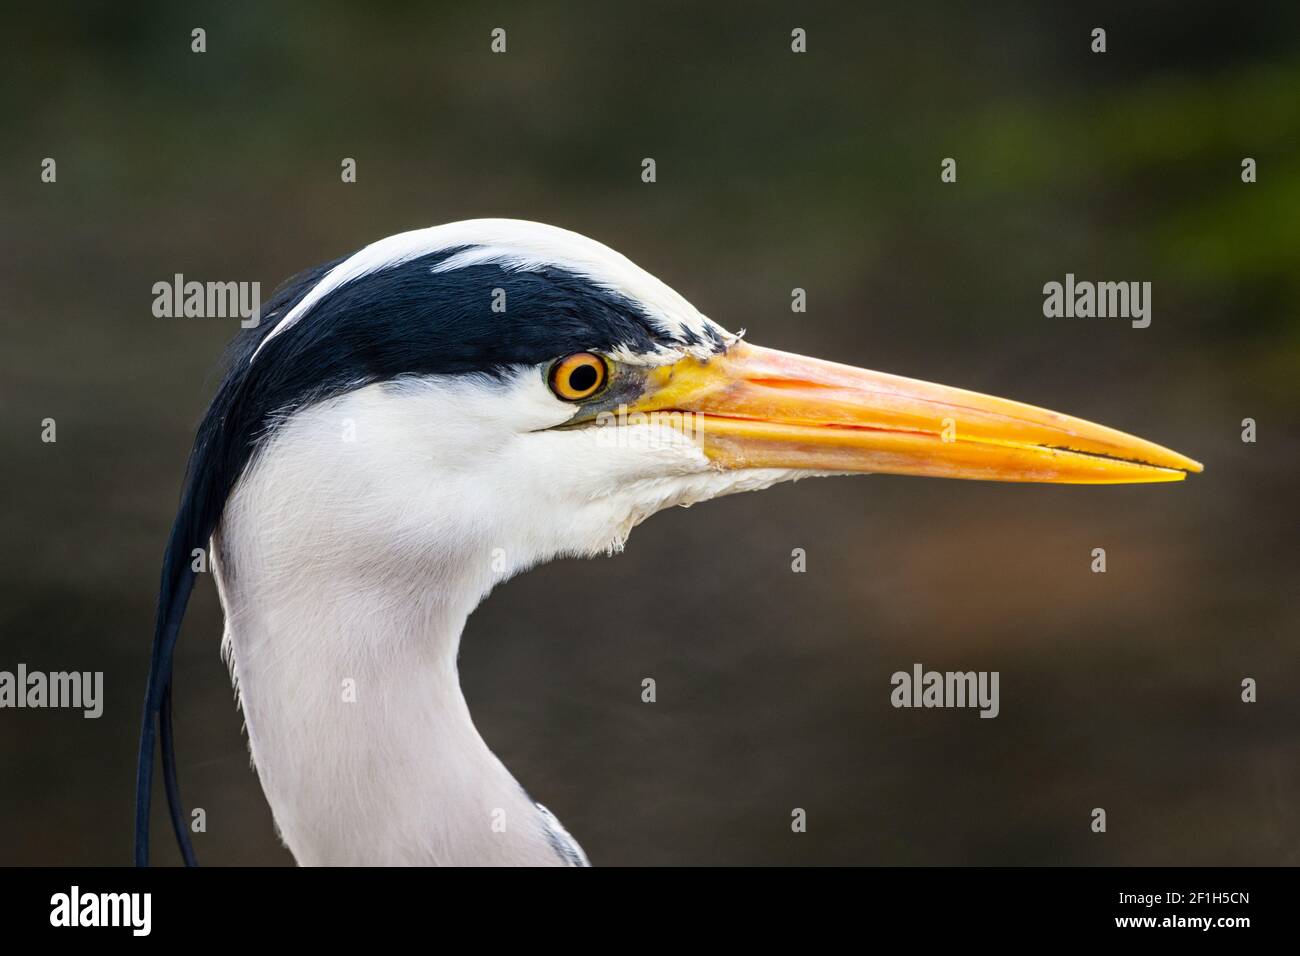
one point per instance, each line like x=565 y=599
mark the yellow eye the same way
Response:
x=579 y=376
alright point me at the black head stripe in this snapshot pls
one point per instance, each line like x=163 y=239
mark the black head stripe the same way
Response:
x=409 y=319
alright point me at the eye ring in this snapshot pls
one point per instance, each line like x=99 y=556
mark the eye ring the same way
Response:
x=578 y=376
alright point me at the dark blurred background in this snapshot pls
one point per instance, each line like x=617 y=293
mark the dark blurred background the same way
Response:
x=775 y=171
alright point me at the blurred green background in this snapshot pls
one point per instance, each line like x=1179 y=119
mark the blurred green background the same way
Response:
x=775 y=171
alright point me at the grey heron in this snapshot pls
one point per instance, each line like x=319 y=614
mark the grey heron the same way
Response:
x=416 y=422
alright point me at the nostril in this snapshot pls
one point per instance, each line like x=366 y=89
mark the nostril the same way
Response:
x=787 y=383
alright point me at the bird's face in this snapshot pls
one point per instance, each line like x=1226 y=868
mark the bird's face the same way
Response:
x=601 y=444
x=597 y=396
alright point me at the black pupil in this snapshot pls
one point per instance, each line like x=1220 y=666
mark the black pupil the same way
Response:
x=583 y=378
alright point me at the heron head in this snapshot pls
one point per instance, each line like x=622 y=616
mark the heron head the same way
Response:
x=513 y=391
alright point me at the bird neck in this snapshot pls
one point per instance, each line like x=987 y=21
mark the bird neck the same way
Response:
x=356 y=721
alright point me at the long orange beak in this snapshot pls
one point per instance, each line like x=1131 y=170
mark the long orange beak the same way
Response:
x=760 y=408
